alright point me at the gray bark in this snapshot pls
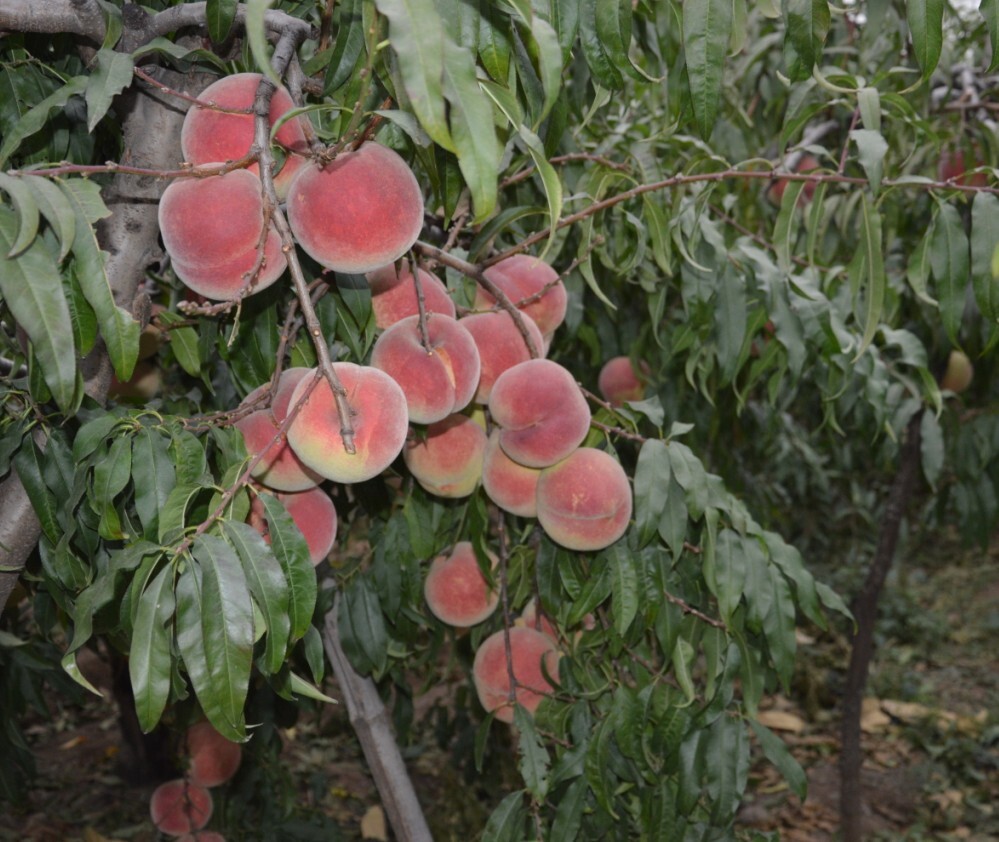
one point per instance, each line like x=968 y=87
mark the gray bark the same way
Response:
x=78 y=17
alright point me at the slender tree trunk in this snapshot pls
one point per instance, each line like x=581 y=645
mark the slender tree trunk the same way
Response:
x=371 y=724
x=865 y=612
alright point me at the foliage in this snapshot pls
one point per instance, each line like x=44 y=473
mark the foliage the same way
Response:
x=632 y=145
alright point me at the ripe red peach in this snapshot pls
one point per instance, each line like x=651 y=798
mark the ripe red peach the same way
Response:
x=362 y=211
x=211 y=228
x=379 y=421
x=529 y=649
x=530 y=618
x=313 y=513
x=455 y=589
x=209 y=135
x=955 y=163
x=523 y=277
x=510 y=485
x=179 y=806
x=448 y=460
x=501 y=345
x=584 y=501
x=213 y=759
x=279 y=468
x=437 y=381
x=619 y=382
x=541 y=412
x=393 y=294
x=283 y=178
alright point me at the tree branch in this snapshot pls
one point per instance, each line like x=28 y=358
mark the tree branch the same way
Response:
x=78 y=17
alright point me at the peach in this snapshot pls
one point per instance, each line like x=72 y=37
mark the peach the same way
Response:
x=179 y=806
x=455 y=589
x=213 y=758
x=209 y=135
x=531 y=618
x=501 y=345
x=313 y=513
x=437 y=381
x=361 y=211
x=510 y=485
x=379 y=421
x=529 y=649
x=211 y=228
x=523 y=277
x=620 y=382
x=959 y=373
x=202 y=836
x=283 y=178
x=806 y=163
x=954 y=164
x=542 y=414
x=448 y=461
x=393 y=294
x=584 y=501
x=279 y=468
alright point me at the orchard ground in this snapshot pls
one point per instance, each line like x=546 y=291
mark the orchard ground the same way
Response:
x=931 y=739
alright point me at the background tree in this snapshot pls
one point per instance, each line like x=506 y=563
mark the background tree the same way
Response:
x=780 y=213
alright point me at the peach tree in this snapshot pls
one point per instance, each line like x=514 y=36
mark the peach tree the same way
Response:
x=509 y=346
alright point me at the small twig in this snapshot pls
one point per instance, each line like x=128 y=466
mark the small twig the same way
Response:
x=687 y=608
x=571 y=157
x=200 y=103
x=201 y=171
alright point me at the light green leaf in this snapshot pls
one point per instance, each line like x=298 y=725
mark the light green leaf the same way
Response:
x=256 y=34
x=870 y=272
x=925 y=19
x=25 y=210
x=871 y=151
x=57 y=210
x=707 y=27
x=112 y=75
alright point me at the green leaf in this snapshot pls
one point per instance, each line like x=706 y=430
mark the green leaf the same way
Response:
x=728 y=749
x=652 y=482
x=730 y=323
x=807 y=24
x=150 y=660
x=989 y=9
x=57 y=210
x=256 y=34
x=707 y=27
x=35 y=119
x=25 y=210
x=362 y=627
x=725 y=571
x=568 y=820
x=227 y=622
x=925 y=19
x=153 y=478
x=624 y=588
x=613 y=26
x=544 y=46
x=183 y=342
x=949 y=262
x=112 y=75
x=416 y=35
x=869 y=271
x=594 y=51
x=776 y=752
x=534 y=760
x=32 y=288
x=472 y=129
x=292 y=553
x=119 y=329
x=786 y=227
x=597 y=765
x=220 y=15
x=871 y=151
x=984 y=239
x=29 y=462
x=347 y=48
x=682 y=658
x=267 y=585
x=111 y=475
x=778 y=627
x=506 y=822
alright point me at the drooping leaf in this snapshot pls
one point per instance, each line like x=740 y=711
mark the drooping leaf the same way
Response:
x=807 y=24
x=949 y=261
x=150 y=660
x=984 y=239
x=292 y=553
x=707 y=27
x=112 y=74
x=925 y=19
x=777 y=753
x=34 y=120
x=153 y=477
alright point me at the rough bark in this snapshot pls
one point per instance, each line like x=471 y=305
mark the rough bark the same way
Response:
x=371 y=724
x=865 y=609
x=19 y=532
x=78 y=17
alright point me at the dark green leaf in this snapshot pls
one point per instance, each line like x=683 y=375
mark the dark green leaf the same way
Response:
x=534 y=760
x=568 y=821
x=984 y=240
x=35 y=119
x=925 y=18
x=153 y=477
x=777 y=753
x=29 y=462
x=111 y=76
x=807 y=26
x=652 y=481
x=292 y=553
x=989 y=9
x=506 y=823
x=362 y=627
x=220 y=15
x=949 y=261
x=707 y=27
x=149 y=658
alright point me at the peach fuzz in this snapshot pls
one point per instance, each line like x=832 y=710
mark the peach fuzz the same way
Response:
x=541 y=412
x=379 y=421
x=584 y=501
x=363 y=210
x=510 y=485
x=619 y=382
x=279 y=468
x=209 y=135
x=179 y=806
x=437 y=381
x=393 y=295
x=211 y=228
x=448 y=460
x=501 y=346
x=522 y=277
x=213 y=759
x=528 y=650
x=455 y=589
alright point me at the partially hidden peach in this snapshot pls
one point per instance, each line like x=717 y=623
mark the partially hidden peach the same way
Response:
x=179 y=806
x=361 y=211
x=510 y=485
x=448 y=460
x=959 y=373
x=541 y=412
x=584 y=501
x=379 y=420
x=393 y=294
x=532 y=654
x=455 y=589
x=619 y=382
x=532 y=286
x=212 y=759
x=212 y=227
x=805 y=164
x=501 y=345
x=439 y=379
x=313 y=513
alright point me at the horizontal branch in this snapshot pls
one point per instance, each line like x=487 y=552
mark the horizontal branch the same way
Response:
x=78 y=17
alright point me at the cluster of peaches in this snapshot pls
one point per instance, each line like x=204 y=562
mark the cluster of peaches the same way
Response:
x=183 y=806
x=432 y=374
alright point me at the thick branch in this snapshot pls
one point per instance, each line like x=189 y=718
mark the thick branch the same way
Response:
x=865 y=610
x=19 y=532
x=79 y=17
x=370 y=721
